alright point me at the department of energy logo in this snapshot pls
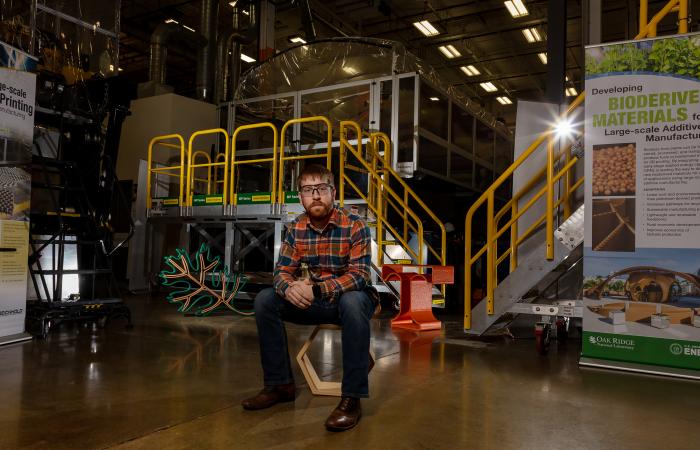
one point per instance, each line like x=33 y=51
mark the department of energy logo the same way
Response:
x=676 y=349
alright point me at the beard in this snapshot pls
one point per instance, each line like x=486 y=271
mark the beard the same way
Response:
x=319 y=210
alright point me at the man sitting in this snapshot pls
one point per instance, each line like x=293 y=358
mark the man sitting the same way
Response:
x=335 y=245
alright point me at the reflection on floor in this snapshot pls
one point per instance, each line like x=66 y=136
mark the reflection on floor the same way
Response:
x=176 y=382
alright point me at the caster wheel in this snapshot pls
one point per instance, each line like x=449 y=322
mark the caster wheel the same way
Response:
x=562 y=331
x=45 y=328
x=542 y=337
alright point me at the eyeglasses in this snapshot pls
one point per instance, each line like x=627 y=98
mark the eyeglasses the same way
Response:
x=322 y=189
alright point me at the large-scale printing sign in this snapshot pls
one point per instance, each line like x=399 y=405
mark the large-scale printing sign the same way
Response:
x=642 y=242
x=17 y=94
x=17 y=105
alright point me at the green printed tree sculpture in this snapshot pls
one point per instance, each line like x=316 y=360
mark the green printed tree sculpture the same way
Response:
x=188 y=277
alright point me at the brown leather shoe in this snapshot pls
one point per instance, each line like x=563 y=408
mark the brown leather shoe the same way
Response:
x=345 y=415
x=270 y=396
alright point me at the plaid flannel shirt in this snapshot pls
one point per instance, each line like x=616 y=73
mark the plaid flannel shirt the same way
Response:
x=338 y=257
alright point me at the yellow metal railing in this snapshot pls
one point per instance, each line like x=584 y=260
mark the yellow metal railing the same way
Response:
x=274 y=196
x=220 y=157
x=379 y=161
x=283 y=158
x=386 y=189
x=374 y=207
x=390 y=176
x=171 y=171
x=209 y=165
x=552 y=176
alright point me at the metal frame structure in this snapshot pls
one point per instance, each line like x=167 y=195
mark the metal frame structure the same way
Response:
x=404 y=135
x=384 y=189
x=406 y=168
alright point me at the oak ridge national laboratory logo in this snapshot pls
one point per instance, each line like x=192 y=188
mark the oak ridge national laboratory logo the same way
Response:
x=616 y=342
x=676 y=349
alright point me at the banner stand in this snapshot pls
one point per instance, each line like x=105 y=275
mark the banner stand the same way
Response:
x=641 y=287
x=14 y=338
x=645 y=369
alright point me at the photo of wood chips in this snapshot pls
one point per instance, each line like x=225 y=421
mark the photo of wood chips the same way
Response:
x=614 y=169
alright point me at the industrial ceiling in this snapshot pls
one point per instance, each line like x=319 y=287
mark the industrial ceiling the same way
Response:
x=483 y=35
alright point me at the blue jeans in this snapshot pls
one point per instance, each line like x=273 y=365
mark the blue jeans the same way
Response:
x=352 y=311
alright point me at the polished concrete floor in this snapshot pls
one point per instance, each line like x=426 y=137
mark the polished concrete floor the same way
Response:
x=176 y=382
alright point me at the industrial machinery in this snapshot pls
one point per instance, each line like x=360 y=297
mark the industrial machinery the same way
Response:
x=375 y=114
x=81 y=105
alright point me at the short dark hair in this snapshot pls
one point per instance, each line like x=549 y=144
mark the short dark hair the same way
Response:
x=315 y=170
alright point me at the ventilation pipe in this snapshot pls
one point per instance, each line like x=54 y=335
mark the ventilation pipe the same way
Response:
x=159 y=51
x=206 y=57
x=228 y=55
x=163 y=33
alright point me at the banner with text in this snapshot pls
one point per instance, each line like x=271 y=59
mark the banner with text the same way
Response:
x=17 y=91
x=642 y=223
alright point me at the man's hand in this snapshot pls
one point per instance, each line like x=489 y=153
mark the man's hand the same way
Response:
x=300 y=293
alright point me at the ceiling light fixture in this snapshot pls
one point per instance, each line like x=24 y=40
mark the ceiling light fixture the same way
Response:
x=571 y=92
x=297 y=40
x=543 y=57
x=245 y=12
x=188 y=28
x=247 y=58
x=516 y=8
x=470 y=70
x=504 y=100
x=426 y=28
x=532 y=35
x=449 y=51
x=488 y=86
x=435 y=99
x=172 y=21
x=233 y=4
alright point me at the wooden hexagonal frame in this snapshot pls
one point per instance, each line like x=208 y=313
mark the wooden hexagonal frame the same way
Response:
x=317 y=386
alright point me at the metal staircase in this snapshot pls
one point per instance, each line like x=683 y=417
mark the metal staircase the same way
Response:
x=70 y=264
x=399 y=215
x=511 y=276
x=533 y=276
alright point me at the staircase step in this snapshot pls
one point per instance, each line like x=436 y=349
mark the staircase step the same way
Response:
x=534 y=273
x=64 y=241
x=51 y=162
x=72 y=272
x=56 y=187
x=56 y=214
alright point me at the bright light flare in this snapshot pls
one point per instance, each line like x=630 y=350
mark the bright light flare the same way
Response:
x=564 y=129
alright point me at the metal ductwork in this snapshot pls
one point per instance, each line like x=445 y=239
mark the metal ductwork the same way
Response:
x=159 y=51
x=206 y=56
x=163 y=33
x=228 y=56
